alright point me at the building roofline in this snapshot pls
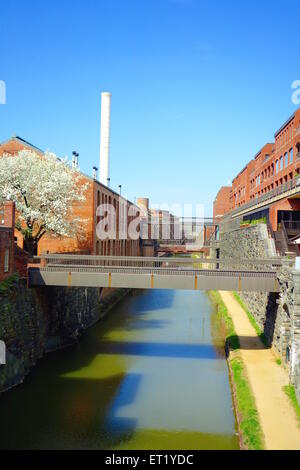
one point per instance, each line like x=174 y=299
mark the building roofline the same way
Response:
x=285 y=124
x=222 y=187
x=241 y=171
x=107 y=188
x=20 y=139
x=260 y=151
x=252 y=159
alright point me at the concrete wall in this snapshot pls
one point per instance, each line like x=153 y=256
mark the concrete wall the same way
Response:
x=36 y=321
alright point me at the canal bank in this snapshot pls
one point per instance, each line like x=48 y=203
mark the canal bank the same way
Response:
x=34 y=322
x=268 y=419
x=151 y=375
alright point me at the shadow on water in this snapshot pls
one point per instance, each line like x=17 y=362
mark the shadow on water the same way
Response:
x=176 y=350
x=68 y=414
x=140 y=324
x=73 y=398
x=146 y=300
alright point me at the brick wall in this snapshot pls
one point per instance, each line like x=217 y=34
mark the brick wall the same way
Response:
x=222 y=201
x=7 y=222
x=96 y=194
x=275 y=164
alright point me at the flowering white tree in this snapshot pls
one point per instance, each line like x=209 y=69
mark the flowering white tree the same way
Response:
x=45 y=190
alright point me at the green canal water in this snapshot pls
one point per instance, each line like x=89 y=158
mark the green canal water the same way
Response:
x=152 y=375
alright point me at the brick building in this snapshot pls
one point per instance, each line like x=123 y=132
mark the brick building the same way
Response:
x=222 y=203
x=7 y=223
x=267 y=186
x=95 y=195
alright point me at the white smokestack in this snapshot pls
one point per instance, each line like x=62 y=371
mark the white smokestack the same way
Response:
x=105 y=138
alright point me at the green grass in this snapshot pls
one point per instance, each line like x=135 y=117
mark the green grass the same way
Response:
x=250 y=425
x=222 y=312
x=263 y=220
x=258 y=331
x=197 y=265
x=245 y=402
x=290 y=391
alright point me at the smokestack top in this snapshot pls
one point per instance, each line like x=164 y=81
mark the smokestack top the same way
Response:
x=95 y=171
x=75 y=159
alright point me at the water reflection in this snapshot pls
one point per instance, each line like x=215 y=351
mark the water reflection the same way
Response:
x=176 y=350
x=145 y=377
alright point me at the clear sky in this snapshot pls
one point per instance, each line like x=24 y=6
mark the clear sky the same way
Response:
x=198 y=87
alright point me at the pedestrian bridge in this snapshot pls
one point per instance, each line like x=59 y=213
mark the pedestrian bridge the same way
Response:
x=155 y=273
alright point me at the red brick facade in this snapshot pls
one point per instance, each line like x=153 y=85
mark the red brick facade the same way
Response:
x=275 y=164
x=222 y=202
x=7 y=223
x=96 y=194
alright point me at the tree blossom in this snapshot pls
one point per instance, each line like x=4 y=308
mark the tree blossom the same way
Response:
x=46 y=191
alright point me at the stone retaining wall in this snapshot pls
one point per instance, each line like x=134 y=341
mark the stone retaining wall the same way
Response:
x=278 y=315
x=36 y=321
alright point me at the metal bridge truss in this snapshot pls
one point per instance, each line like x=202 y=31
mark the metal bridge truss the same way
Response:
x=155 y=273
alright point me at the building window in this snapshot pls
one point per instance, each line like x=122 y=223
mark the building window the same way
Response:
x=6 y=260
x=281 y=162
x=286 y=158
x=277 y=166
x=291 y=155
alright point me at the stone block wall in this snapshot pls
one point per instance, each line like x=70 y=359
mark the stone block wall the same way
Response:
x=36 y=321
x=277 y=314
x=248 y=242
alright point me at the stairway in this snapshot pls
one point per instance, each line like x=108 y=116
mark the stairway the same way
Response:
x=283 y=244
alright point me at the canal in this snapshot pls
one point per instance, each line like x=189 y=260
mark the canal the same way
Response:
x=151 y=375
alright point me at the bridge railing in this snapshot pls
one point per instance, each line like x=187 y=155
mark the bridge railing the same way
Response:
x=281 y=189
x=250 y=264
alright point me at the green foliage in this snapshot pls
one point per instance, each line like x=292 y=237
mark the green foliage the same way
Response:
x=259 y=333
x=245 y=401
x=8 y=284
x=222 y=312
x=250 y=425
x=197 y=265
x=262 y=220
x=290 y=391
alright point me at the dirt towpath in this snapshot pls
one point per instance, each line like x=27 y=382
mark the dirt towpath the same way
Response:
x=277 y=416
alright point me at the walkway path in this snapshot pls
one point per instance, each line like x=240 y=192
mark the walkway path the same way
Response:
x=277 y=416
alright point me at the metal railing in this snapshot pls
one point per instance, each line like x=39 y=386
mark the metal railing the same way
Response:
x=92 y=262
x=162 y=271
x=291 y=224
x=281 y=189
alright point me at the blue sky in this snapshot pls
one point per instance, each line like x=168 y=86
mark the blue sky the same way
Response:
x=198 y=87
